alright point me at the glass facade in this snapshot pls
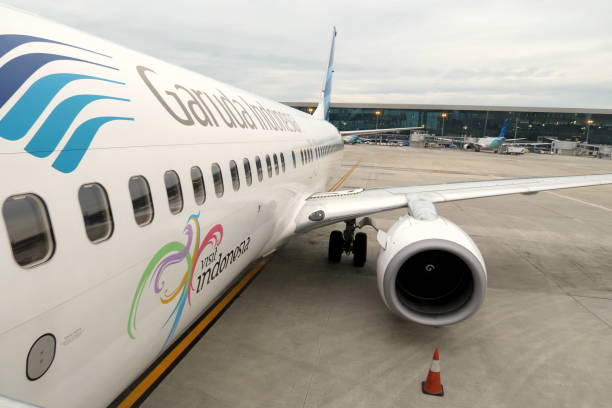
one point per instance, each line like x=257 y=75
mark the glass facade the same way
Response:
x=535 y=125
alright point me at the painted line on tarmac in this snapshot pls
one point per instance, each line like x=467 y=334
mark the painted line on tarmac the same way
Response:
x=142 y=388
x=601 y=207
x=343 y=179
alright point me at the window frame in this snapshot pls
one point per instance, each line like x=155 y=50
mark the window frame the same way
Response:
x=193 y=184
x=149 y=197
x=234 y=174
x=269 y=165
x=259 y=168
x=275 y=158
x=217 y=182
x=248 y=174
x=110 y=221
x=179 y=192
x=282 y=160
x=45 y=217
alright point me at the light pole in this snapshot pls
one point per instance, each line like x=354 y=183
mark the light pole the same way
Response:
x=484 y=131
x=443 y=115
x=589 y=123
x=515 y=129
x=377 y=114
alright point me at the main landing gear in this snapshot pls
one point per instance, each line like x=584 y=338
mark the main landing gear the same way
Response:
x=350 y=242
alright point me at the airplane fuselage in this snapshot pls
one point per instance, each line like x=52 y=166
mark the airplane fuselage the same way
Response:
x=79 y=111
x=490 y=142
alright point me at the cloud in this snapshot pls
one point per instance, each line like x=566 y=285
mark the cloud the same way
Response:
x=524 y=52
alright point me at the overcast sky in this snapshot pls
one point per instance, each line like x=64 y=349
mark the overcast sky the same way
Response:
x=512 y=52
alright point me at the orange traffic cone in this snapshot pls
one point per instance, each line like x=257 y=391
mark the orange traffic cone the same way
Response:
x=433 y=384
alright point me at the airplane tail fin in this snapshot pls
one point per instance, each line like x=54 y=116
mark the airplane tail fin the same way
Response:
x=322 y=111
x=504 y=129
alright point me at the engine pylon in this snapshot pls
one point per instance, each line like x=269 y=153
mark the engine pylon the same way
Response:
x=433 y=384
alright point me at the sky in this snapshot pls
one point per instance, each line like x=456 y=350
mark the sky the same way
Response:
x=465 y=52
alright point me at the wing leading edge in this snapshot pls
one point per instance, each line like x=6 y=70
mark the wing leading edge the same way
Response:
x=327 y=208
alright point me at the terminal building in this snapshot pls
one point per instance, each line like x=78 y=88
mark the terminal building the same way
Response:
x=535 y=124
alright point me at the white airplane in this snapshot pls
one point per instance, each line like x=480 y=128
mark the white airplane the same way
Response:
x=491 y=143
x=139 y=199
x=495 y=143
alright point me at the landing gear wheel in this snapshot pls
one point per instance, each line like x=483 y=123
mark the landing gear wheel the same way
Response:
x=360 y=249
x=336 y=247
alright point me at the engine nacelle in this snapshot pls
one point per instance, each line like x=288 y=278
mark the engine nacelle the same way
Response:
x=430 y=272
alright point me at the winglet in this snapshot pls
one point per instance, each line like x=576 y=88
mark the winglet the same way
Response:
x=504 y=129
x=322 y=111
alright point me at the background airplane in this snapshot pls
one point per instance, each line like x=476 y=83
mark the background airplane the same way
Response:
x=496 y=143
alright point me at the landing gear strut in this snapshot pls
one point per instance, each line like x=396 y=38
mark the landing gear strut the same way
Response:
x=349 y=242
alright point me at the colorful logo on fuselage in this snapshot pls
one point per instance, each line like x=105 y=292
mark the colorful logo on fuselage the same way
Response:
x=170 y=254
x=26 y=110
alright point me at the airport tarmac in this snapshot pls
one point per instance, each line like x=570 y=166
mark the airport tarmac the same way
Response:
x=307 y=333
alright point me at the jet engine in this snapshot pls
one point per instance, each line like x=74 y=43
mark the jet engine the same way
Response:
x=430 y=271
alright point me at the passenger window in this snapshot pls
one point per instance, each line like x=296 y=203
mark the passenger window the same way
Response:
x=141 y=200
x=197 y=180
x=217 y=179
x=174 y=192
x=269 y=165
x=259 y=170
x=235 y=175
x=282 y=158
x=96 y=212
x=293 y=157
x=302 y=156
x=29 y=229
x=275 y=164
x=247 y=171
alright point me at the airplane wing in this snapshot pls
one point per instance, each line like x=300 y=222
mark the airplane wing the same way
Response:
x=326 y=208
x=375 y=131
x=512 y=140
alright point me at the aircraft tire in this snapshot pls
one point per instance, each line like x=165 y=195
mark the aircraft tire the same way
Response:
x=336 y=246
x=360 y=249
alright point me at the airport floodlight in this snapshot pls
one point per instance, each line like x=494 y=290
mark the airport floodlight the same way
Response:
x=377 y=113
x=589 y=123
x=443 y=115
x=310 y=110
